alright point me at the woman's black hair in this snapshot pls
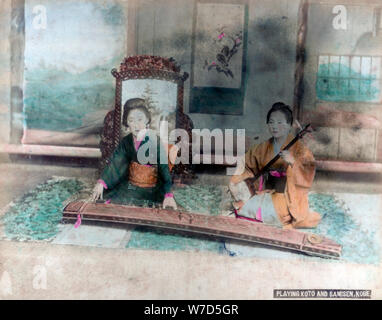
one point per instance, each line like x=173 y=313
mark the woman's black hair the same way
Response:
x=285 y=109
x=135 y=104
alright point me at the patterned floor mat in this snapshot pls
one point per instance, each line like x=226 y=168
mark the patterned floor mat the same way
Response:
x=36 y=216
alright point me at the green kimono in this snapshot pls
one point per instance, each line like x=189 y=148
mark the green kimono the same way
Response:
x=116 y=175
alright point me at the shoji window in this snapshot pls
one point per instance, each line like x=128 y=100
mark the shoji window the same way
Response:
x=349 y=78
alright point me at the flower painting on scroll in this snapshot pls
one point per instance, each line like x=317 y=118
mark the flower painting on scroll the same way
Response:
x=218 y=50
x=227 y=46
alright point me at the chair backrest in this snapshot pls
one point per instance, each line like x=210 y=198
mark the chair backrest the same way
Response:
x=160 y=83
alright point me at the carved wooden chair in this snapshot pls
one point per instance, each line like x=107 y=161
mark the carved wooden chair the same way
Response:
x=138 y=77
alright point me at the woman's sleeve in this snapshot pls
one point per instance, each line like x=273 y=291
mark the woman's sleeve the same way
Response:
x=251 y=160
x=163 y=170
x=303 y=170
x=118 y=166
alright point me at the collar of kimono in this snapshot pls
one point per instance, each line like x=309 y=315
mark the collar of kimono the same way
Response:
x=137 y=143
x=288 y=139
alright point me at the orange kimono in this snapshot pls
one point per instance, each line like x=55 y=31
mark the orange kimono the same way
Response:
x=292 y=205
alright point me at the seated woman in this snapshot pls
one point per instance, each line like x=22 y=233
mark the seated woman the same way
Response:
x=289 y=179
x=127 y=181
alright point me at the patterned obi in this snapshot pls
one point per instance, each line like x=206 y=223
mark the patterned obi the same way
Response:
x=144 y=176
x=276 y=179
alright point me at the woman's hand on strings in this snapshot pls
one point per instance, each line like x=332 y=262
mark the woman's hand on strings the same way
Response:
x=287 y=156
x=97 y=192
x=169 y=202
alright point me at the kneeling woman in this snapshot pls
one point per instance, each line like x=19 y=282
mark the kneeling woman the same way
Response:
x=125 y=180
x=290 y=178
